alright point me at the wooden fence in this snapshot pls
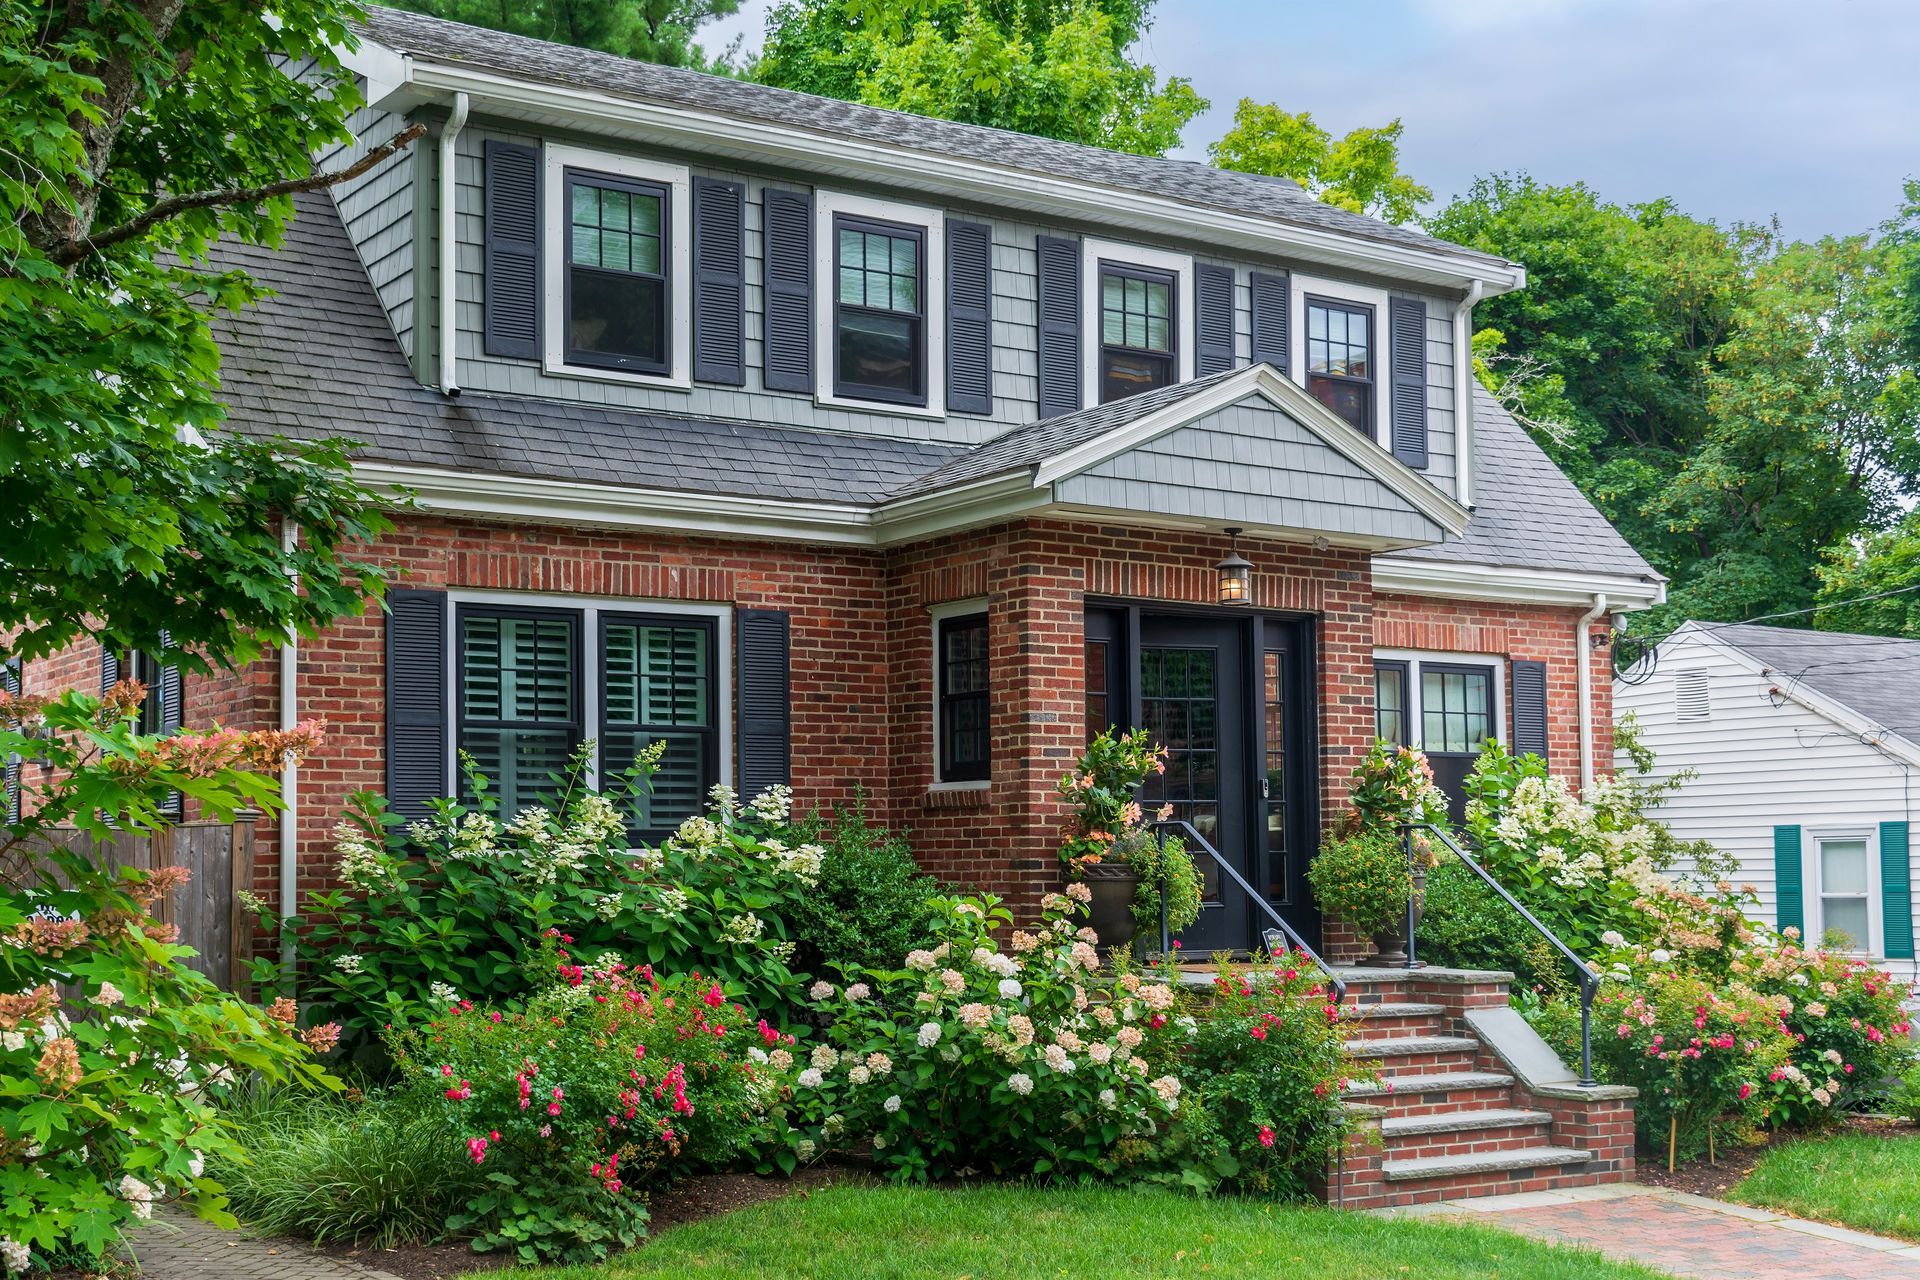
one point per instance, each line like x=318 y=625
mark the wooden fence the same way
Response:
x=219 y=861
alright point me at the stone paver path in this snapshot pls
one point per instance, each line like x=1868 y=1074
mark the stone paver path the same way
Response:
x=176 y=1246
x=1693 y=1236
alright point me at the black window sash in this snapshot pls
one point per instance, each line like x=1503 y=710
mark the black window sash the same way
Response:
x=918 y=316
x=1398 y=671
x=950 y=702
x=1151 y=275
x=1471 y=670
x=574 y=727
x=1373 y=352
x=601 y=359
x=709 y=734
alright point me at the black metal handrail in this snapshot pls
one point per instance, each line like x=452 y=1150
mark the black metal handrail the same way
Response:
x=1589 y=980
x=1285 y=930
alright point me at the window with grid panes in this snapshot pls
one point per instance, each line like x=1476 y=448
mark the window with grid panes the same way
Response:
x=1136 y=330
x=879 y=321
x=1340 y=364
x=519 y=699
x=1456 y=709
x=617 y=284
x=657 y=685
x=966 y=730
x=1390 y=702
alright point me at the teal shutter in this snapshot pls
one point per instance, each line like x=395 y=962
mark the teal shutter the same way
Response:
x=1790 y=901
x=1896 y=891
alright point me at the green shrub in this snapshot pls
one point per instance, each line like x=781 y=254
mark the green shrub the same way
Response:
x=1905 y=1098
x=379 y=1171
x=1466 y=925
x=1363 y=879
x=871 y=905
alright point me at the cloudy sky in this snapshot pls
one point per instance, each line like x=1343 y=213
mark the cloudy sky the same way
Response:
x=1739 y=109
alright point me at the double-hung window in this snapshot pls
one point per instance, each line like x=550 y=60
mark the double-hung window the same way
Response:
x=657 y=683
x=519 y=705
x=1390 y=702
x=879 y=313
x=1846 y=886
x=964 y=713
x=1340 y=359
x=618 y=290
x=1138 y=346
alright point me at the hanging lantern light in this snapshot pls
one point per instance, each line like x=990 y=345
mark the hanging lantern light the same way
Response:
x=1235 y=573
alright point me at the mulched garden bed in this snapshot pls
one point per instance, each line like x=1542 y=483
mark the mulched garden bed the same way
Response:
x=1715 y=1179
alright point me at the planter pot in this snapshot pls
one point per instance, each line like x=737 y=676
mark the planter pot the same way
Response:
x=1390 y=944
x=1111 y=911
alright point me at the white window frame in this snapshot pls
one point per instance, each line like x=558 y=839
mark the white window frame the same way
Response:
x=932 y=224
x=556 y=159
x=1413 y=658
x=937 y=614
x=1811 y=865
x=1340 y=291
x=590 y=609
x=1180 y=265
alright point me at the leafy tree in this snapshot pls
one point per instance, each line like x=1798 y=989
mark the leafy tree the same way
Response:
x=650 y=30
x=1360 y=172
x=1885 y=565
x=1045 y=67
x=132 y=135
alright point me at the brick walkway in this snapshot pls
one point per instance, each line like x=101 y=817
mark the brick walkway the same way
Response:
x=1693 y=1236
x=176 y=1246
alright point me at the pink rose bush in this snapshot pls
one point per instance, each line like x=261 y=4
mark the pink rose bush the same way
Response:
x=609 y=1081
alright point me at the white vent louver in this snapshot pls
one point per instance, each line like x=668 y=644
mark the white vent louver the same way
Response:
x=1690 y=695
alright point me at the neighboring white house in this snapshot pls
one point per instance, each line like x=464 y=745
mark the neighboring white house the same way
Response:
x=1805 y=744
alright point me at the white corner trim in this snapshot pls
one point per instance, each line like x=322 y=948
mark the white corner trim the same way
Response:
x=415 y=81
x=932 y=223
x=1179 y=265
x=1339 y=291
x=556 y=159
x=1499 y=584
x=1289 y=397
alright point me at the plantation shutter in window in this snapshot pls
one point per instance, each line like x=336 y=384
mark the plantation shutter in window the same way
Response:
x=416 y=700
x=1530 y=709
x=1270 y=318
x=788 y=318
x=1059 y=298
x=763 y=640
x=109 y=669
x=1213 y=318
x=1896 y=892
x=10 y=673
x=1790 y=905
x=719 y=281
x=1409 y=366
x=512 y=252
x=969 y=317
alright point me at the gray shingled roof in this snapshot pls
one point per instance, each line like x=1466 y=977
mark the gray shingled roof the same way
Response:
x=321 y=360
x=436 y=40
x=1527 y=514
x=1877 y=676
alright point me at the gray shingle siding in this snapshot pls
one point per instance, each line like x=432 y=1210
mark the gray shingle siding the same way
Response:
x=377 y=208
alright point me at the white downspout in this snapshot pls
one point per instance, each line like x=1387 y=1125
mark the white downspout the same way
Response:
x=1463 y=390
x=289 y=773
x=448 y=195
x=1583 y=654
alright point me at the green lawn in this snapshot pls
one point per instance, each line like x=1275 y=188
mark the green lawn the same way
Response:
x=888 y=1233
x=1870 y=1182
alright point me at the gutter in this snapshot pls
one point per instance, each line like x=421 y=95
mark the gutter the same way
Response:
x=449 y=283
x=289 y=774
x=1584 y=656
x=1463 y=390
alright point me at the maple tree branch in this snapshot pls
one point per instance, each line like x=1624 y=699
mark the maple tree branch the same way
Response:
x=173 y=206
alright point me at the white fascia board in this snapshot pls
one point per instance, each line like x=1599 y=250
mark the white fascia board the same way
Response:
x=931 y=174
x=1503 y=585
x=1289 y=398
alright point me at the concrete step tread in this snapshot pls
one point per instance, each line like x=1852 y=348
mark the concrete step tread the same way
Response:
x=1483 y=1162
x=1437 y=1082
x=1462 y=1121
x=1399 y=1046
x=1391 y=1009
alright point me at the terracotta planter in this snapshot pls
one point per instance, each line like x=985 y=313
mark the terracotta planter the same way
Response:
x=1111 y=911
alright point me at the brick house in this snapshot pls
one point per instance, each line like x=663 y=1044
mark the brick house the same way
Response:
x=892 y=457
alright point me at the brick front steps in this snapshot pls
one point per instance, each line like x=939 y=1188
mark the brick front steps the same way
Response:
x=1470 y=1102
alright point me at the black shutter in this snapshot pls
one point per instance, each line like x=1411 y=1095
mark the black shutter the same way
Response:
x=10 y=785
x=1272 y=313
x=416 y=700
x=1409 y=339
x=170 y=689
x=109 y=669
x=788 y=247
x=1213 y=319
x=762 y=639
x=1058 y=269
x=969 y=317
x=1530 y=709
x=512 y=258
x=719 y=281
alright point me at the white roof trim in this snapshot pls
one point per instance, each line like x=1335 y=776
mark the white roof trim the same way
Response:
x=1287 y=396
x=1455 y=580
x=404 y=81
